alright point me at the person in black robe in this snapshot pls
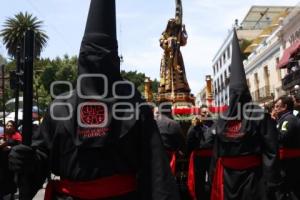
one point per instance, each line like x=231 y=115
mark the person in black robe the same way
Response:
x=100 y=141
x=199 y=146
x=170 y=131
x=244 y=164
x=289 y=152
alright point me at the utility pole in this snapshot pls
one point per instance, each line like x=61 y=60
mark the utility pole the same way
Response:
x=2 y=92
x=28 y=87
x=17 y=89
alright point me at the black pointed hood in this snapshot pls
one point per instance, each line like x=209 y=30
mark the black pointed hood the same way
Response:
x=97 y=124
x=99 y=49
x=238 y=82
x=238 y=89
x=233 y=119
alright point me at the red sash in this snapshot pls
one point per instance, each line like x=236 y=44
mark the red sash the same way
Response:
x=191 y=173
x=236 y=163
x=103 y=188
x=285 y=153
x=173 y=160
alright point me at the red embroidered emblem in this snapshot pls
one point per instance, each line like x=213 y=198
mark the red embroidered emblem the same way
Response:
x=92 y=114
x=233 y=129
x=93 y=120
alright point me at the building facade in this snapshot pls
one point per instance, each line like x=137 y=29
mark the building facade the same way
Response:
x=263 y=76
x=289 y=62
x=254 y=28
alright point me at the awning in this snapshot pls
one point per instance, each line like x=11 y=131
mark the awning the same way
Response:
x=288 y=54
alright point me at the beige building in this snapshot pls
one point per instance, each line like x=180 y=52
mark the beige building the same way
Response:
x=252 y=28
x=289 y=63
x=263 y=75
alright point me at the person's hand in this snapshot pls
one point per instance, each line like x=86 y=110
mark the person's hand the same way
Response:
x=21 y=158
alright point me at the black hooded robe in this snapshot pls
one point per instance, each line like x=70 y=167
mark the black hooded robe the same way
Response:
x=245 y=164
x=199 y=139
x=138 y=150
x=251 y=183
x=91 y=143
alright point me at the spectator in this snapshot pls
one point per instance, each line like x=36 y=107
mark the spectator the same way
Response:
x=10 y=138
x=289 y=143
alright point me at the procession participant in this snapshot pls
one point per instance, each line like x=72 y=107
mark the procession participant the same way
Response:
x=289 y=152
x=199 y=145
x=98 y=139
x=171 y=134
x=245 y=165
x=206 y=116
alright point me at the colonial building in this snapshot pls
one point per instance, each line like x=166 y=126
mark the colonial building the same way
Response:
x=263 y=76
x=289 y=62
x=253 y=28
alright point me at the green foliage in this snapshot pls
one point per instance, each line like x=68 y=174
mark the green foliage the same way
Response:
x=46 y=71
x=2 y=60
x=14 y=31
x=138 y=79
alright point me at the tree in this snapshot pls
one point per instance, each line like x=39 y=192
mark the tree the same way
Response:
x=14 y=31
x=2 y=60
x=138 y=79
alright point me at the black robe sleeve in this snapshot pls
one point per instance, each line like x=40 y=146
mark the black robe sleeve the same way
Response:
x=269 y=153
x=32 y=181
x=155 y=179
x=192 y=140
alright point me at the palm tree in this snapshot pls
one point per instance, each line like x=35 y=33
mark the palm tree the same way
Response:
x=14 y=31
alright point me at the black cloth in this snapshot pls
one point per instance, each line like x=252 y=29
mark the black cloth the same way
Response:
x=7 y=185
x=200 y=137
x=138 y=151
x=101 y=135
x=289 y=137
x=256 y=183
x=244 y=130
x=170 y=132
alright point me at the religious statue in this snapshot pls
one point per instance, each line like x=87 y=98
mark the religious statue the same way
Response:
x=172 y=71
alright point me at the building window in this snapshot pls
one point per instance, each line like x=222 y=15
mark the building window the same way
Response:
x=256 y=81
x=266 y=75
x=248 y=83
x=228 y=52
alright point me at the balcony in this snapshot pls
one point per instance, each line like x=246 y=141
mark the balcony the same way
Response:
x=262 y=94
x=290 y=80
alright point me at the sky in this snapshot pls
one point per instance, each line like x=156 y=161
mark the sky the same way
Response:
x=140 y=24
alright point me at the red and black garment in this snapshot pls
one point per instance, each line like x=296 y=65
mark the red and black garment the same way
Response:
x=235 y=163
x=202 y=153
x=173 y=160
x=288 y=153
x=107 y=187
